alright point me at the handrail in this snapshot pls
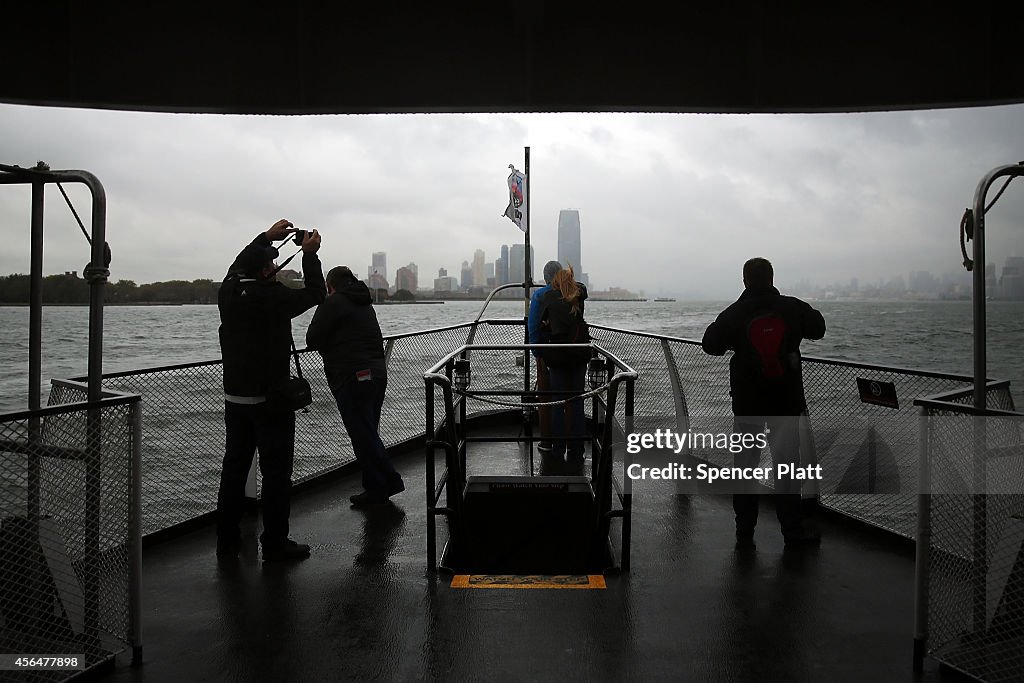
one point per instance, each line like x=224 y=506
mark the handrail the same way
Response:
x=917 y=372
x=110 y=399
x=965 y=408
x=494 y=291
x=434 y=369
x=980 y=330
x=949 y=396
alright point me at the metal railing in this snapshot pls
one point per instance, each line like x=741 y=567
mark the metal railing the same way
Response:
x=876 y=447
x=677 y=386
x=70 y=542
x=447 y=431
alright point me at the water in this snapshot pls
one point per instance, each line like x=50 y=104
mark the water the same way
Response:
x=927 y=335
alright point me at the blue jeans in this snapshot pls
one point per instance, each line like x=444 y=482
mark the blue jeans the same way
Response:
x=360 y=405
x=571 y=420
x=270 y=429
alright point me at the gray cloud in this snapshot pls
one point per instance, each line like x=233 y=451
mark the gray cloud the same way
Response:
x=669 y=203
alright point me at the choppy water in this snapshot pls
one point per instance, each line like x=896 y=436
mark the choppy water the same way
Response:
x=927 y=335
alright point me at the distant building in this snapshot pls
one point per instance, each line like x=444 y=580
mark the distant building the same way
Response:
x=479 y=277
x=443 y=283
x=1011 y=282
x=378 y=264
x=466 y=276
x=516 y=271
x=377 y=281
x=406 y=278
x=501 y=266
x=569 y=243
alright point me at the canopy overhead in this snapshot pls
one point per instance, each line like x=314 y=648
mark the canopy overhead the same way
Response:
x=304 y=58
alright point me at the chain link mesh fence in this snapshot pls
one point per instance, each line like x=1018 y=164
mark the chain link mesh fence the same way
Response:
x=975 y=584
x=66 y=536
x=679 y=387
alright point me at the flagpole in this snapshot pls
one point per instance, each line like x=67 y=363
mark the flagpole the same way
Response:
x=528 y=278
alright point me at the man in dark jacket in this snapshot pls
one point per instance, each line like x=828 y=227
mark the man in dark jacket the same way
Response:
x=345 y=331
x=764 y=329
x=255 y=340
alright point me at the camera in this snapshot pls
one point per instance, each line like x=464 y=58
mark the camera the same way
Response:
x=298 y=236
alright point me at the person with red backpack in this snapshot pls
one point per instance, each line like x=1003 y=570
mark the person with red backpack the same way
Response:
x=764 y=330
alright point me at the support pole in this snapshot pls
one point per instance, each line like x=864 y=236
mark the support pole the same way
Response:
x=35 y=349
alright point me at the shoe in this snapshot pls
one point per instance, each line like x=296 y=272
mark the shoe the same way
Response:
x=374 y=497
x=545 y=447
x=289 y=550
x=803 y=539
x=228 y=549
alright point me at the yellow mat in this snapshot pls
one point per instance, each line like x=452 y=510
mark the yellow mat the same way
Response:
x=577 y=581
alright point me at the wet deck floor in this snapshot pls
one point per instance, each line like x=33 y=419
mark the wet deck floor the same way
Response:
x=692 y=607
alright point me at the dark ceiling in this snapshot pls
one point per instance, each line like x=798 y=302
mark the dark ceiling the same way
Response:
x=302 y=58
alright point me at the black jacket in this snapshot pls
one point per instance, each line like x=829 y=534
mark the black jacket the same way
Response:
x=255 y=325
x=561 y=325
x=345 y=331
x=755 y=390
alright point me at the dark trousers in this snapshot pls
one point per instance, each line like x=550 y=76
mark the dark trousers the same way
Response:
x=784 y=443
x=360 y=404
x=570 y=420
x=543 y=412
x=270 y=430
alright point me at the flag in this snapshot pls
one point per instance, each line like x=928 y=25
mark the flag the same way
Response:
x=516 y=210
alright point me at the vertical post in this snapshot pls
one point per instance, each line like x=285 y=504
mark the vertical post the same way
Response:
x=872 y=458
x=135 y=538
x=528 y=280
x=35 y=346
x=980 y=330
x=96 y=274
x=429 y=480
x=924 y=540
x=979 y=503
x=627 y=498
x=527 y=289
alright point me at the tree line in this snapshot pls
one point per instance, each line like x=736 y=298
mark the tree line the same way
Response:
x=71 y=289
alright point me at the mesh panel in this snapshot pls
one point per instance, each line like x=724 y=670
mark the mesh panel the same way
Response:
x=66 y=503
x=977 y=589
x=976 y=554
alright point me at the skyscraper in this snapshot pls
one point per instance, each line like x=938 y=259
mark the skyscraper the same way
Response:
x=516 y=269
x=569 y=239
x=569 y=242
x=407 y=278
x=379 y=264
x=479 y=277
x=501 y=266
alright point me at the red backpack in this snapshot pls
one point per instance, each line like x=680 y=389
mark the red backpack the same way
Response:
x=765 y=334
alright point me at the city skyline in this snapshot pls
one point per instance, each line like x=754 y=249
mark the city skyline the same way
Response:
x=671 y=204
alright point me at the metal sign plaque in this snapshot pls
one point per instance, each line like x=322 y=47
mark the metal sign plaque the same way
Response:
x=877 y=392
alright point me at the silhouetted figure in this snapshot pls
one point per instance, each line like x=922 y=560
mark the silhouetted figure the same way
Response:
x=538 y=335
x=764 y=330
x=561 y=317
x=255 y=340
x=345 y=331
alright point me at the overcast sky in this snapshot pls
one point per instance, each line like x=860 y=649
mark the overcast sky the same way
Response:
x=670 y=204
